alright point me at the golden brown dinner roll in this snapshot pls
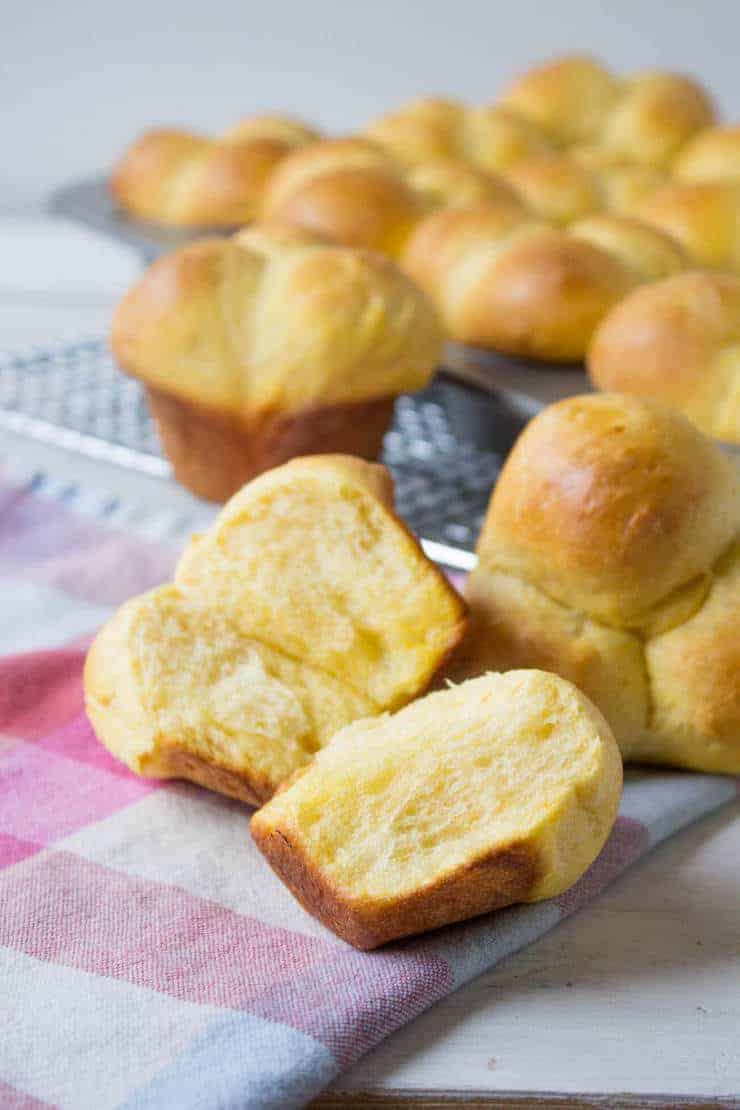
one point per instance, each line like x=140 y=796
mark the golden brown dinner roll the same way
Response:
x=556 y=188
x=579 y=103
x=610 y=555
x=506 y=281
x=496 y=138
x=269 y=345
x=423 y=129
x=451 y=182
x=712 y=155
x=501 y=790
x=649 y=252
x=347 y=190
x=493 y=137
x=178 y=178
x=561 y=188
x=678 y=341
x=705 y=218
x=305 y=606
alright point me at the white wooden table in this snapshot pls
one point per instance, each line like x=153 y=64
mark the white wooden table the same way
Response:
x=635 y=1001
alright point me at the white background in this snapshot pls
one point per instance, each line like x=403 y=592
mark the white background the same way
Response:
x=79 y=79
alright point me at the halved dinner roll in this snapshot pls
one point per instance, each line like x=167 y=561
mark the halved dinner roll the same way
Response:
x=501 y=790
x=306 y=605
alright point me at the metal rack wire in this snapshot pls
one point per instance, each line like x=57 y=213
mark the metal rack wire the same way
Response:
x=74 y=396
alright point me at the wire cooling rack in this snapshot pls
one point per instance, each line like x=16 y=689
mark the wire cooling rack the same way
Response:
x=74 y=396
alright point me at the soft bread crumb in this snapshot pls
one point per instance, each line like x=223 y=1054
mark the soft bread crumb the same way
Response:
x=306 y=606
x=501 y=789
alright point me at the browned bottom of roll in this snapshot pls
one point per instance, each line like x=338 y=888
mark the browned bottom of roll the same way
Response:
x=214 y=454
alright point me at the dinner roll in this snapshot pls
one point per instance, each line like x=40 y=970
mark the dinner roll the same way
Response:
x=678 y=341
x=578 y=102
x=347 y=190
x=609 y=555
x=712 y=155
x=306 y=605
x=425 y=128
x=507 y=281
x=556 y=188
x=185 y=180
x=269 y=345
x=561 y=188
x=705 y=218
x=451 y=182
x=649 y=252
x=501 y=790
x=496 y=138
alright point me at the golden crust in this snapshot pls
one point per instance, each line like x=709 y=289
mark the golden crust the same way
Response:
x=704 y=218
x=578 y=102
x=677 y=341
x=649 y=252
x=491 y=138
x=498 y=879
x=272 y=343
x=451 y=182
x=214 y=454
x=568 y=97
x=556 y=188
x=603 y=556
x=503 y=281
x=424 y=129
x=383 y=835
x=694 y=677
x=712 y=155
x=611 y=504
x=348 y=190
x=185 y=180
x=496 y=138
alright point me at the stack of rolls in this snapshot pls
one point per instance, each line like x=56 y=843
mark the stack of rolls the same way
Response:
x=526 y=221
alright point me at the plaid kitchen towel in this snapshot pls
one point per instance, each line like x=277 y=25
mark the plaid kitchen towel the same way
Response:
x=149 y=956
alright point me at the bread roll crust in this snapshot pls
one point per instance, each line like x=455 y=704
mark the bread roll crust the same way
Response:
x=644 y=118
x=497 y=879
x=347 y=190
x=712 y=155
x=677 y=341
x=184 y=180
x=214 y=454
x=604 y=556
x=502 y=280
x=272 y=344
x=704 y=218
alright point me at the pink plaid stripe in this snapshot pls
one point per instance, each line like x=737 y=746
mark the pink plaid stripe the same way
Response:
x=11 y=1099
x=161 y=937
x=45 y=796
x=76 y=740
x=46 y=541
x=13 y=849
x=39 y=691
